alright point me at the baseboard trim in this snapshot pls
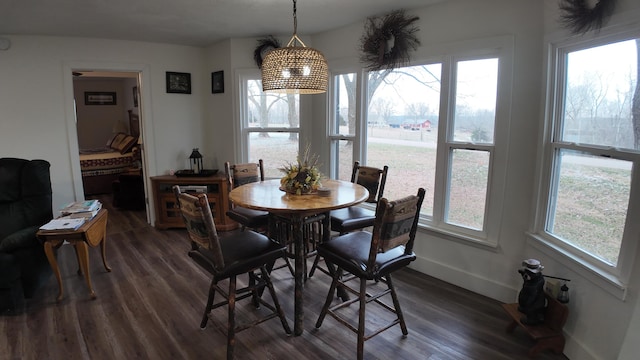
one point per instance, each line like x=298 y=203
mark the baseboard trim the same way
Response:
x=574 y=349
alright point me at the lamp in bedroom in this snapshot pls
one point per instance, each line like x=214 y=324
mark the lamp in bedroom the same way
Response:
x=195 y=161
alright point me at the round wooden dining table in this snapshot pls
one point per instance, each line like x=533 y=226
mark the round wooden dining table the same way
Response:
x=267 y=196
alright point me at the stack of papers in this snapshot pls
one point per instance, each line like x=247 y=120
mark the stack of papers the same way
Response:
x=63 y=224
x=81 y=209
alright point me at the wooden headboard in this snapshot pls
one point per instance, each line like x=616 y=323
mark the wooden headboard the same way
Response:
x=134 y=124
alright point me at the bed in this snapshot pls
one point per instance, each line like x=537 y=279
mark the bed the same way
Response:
x=100 y=167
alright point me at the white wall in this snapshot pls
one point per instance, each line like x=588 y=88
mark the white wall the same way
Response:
x=33 y=125
x=598 y=322
x=36 y=100
x=96 y=124
x=603 y=319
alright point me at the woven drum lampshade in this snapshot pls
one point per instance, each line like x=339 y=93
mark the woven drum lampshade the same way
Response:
x=294 y=69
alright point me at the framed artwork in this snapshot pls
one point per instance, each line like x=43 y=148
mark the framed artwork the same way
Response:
x=99 y=98
x=217 y=82
x=178 y=83
x=135 y=96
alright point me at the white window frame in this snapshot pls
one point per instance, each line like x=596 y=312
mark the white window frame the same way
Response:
x=611 y=278
x=242 y=124
x=498 y=47
x=333 y=135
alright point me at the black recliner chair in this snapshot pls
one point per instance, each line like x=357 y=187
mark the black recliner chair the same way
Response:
x=25 y=205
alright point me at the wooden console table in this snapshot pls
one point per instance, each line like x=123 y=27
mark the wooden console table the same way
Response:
x=547 y=335
x=93 y=232
x=167 y=211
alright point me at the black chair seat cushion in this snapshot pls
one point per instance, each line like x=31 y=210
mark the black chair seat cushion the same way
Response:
x=351 y=218
x=351 y=252
x=250 y=218
x=242 y=251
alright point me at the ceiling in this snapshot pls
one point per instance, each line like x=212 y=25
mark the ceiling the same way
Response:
x=187 y=22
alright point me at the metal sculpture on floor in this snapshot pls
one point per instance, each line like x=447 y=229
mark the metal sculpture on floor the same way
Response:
x=531 y=300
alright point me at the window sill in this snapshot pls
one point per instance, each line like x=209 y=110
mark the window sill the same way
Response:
x=605 y=280
x=458 y=237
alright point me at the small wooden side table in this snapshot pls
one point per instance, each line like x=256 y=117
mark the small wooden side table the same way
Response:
x=547 y=335
x=92 y=232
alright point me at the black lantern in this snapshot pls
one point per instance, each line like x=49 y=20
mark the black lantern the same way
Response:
x=563 y=297
x=195 y=161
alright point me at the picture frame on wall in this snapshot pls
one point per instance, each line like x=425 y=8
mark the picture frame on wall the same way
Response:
x=178 y=83
x=100 y=98
x=217 y=82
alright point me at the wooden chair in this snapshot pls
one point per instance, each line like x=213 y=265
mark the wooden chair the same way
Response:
x=240 y=174
x=356 y=217
x=227 y=257
x=372 y=257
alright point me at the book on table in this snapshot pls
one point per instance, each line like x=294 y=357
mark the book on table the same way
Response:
x=62 y=224
x=81 y=209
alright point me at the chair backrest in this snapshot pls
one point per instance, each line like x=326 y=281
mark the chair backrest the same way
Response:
x=240 y=174
x=373 y=179
x=200 y=225
x=396 y=224
x=25 y=194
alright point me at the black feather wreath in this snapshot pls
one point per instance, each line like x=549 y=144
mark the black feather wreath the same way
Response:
x=387 y=41
x=264 y=46
x=580 y=18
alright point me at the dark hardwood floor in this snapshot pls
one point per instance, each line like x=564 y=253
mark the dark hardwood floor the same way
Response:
x=150 y=306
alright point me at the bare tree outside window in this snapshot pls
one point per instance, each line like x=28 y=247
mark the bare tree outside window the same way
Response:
x=594 y=149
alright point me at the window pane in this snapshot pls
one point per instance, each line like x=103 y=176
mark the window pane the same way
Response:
x=270 y=110
x=275 y=148
x=344 y=120
x=264 y=111
x=599 y=91
x=589 y=206
x=467 y=188
x=344 y=151
x=402 y=129
x=476 y=92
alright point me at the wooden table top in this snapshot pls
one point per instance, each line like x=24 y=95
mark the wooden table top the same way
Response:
x=267 y=196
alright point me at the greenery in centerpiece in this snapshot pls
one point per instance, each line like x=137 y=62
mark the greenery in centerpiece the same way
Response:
x=303 y=176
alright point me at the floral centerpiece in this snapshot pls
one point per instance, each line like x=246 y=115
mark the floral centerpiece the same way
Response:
x=303 y=176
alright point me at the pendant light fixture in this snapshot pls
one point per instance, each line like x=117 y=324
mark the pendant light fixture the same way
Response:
x=295 y=68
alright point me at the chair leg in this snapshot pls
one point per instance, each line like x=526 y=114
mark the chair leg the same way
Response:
x=255 y=293
x=327 y=303
x=231 y=322
x=396 y=304
x=314 y=266
x=207 y=310
x=361 y=317
x=276 y=303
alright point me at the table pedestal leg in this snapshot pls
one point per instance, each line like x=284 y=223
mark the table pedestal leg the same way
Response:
x=48 y=250
x=298 y=324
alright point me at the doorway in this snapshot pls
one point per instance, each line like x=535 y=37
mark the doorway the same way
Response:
x=108 y=113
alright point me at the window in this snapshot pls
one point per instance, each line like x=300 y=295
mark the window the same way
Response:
x=434 y=125
x=592 y=153
x=270 y=126
x=342 y=127
x=402 y=128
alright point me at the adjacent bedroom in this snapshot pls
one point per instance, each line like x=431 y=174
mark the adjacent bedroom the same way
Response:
x=108 y=127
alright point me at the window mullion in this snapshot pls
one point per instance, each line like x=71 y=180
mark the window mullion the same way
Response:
x=447 y=91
